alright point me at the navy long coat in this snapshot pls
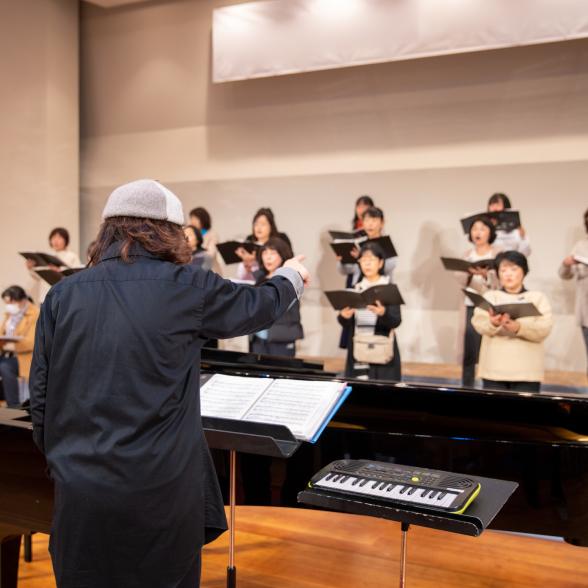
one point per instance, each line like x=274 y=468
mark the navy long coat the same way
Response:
x=116 y=409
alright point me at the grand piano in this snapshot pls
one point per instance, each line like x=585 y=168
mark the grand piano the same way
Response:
x=537 y=440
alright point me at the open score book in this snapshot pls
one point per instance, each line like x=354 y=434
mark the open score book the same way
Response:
x=304 y=406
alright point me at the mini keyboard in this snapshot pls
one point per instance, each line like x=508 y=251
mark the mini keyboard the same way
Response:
x=397 y=483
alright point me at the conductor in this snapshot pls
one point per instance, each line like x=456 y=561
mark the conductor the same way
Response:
x=115 y=396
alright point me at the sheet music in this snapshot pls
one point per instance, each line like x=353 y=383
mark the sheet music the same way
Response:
x=301 y=405
x=230 y=397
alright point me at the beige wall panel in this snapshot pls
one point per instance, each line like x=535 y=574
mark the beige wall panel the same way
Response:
x=39 y=140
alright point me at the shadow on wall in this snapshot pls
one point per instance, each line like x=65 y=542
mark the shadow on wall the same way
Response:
x=437 y=290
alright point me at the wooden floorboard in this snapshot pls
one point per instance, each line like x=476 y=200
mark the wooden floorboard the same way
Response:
x=298 y=548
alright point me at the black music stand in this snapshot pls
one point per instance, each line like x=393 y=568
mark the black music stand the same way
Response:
x=493 y=496
x=246 y=437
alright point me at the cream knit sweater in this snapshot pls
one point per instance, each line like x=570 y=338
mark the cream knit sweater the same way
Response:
x=513 y=358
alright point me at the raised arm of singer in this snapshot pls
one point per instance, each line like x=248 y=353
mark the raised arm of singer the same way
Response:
x=115 y=396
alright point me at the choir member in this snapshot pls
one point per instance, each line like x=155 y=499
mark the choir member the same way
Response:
x=59 y=243
x=15 y=357
x=373 y=225
x=515 y=240
x=200 y=219
x=281 y=337
x=361 y=205
x=575 y=265
x=512 y=352
x=482 y=235
x=263 y=228
x=115 y=395
x=373 y=320
x=200 y=256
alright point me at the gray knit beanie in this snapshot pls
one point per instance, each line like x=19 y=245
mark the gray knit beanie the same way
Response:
x=144 y=199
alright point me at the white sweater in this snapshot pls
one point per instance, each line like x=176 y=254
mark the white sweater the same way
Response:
x=513 y=358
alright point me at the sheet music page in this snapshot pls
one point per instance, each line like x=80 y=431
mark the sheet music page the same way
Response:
x=301 y=405
x=230 y=397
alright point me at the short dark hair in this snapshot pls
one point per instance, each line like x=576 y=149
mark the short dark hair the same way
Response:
x=374 y=212
x=203 y=216
x=63 y=233
x=376 y=250
x=499 y=197
x=486 y=220
x=513 y=257
x=278 y=245
x=197 y=235
x=15 y=293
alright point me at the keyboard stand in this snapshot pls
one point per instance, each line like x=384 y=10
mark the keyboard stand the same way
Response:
x=245 y=437
x=473 y=522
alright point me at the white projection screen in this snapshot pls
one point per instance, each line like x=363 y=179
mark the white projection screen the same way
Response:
x=278 y=37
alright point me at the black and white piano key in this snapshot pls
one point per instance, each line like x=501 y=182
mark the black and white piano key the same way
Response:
x=379 y=489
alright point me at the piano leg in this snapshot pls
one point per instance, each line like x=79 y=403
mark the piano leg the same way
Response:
x=9 y=554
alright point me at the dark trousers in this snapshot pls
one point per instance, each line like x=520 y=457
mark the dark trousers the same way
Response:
x=471 y=350
x=512 y=386
x=192 y=578
x=9 y=375
x=585 y=333
x=265 y=347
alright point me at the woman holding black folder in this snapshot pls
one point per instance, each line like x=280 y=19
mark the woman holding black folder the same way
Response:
x=263 y=228
x=481 y=279
x=515 y=240
x=512 y=353
x=373 y=225
x=59 y=243
x=374 y=320
x=281 y=337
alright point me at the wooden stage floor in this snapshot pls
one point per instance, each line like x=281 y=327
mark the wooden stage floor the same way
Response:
x=297 y=548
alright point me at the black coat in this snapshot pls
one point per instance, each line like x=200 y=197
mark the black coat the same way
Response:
x=116 y=409
x=391 y=319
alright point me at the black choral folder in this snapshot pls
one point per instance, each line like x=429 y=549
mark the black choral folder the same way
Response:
x=506 y=220
x=42 y=259
x=228 y=248
x=387 y=294
x=515 y=310
x=455 y=264
x=344 y=248
x=52 y=277
x=344 y=236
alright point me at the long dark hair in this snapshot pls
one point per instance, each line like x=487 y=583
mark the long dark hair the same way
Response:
x=268 y=213
x=159 y=237
x=365 y=199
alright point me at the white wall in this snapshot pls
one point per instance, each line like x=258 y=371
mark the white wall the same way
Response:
x=39 y=141
x=430 y=139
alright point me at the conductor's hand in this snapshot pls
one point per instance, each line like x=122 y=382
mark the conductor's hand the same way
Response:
x=569 y=261
x=347 y=312
x=378 y=308
x=296 y=264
